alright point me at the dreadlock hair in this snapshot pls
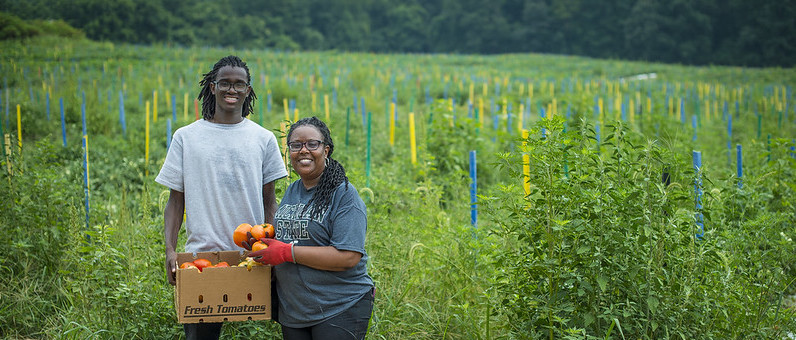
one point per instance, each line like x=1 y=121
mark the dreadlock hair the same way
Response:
x=207 y=97
x=332 y=175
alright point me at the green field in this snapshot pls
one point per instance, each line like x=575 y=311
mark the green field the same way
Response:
x=597 y=247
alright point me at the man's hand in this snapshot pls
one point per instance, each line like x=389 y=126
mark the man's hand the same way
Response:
x=171 y=267
x=250 y=240
x=172 y=218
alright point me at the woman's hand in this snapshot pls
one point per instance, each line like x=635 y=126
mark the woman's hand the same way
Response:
x=278 y=252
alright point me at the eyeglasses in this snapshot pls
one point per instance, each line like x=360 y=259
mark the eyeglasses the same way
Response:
x=224 y=85
x=311 y=144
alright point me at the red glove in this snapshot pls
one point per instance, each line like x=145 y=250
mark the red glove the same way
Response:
x=278 y=252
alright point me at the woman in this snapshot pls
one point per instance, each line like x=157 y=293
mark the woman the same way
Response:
x=318 y=254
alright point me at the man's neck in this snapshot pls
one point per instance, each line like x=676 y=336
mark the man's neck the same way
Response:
x=221 y=118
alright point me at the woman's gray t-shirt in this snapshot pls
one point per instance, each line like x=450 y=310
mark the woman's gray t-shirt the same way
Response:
x=309 y=296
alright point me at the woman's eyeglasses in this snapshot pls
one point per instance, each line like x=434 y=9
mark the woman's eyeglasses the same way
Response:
x=311 y=144
x=224 y=85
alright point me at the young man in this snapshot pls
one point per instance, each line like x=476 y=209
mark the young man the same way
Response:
x=221 y=172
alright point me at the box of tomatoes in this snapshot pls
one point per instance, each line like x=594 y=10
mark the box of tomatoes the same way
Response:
x=221 y=286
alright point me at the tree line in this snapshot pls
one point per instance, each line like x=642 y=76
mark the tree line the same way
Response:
x=698 y=32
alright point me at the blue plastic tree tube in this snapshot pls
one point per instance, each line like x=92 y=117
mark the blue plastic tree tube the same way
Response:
x=739 y=161
x=473 y=190
x=697 y=160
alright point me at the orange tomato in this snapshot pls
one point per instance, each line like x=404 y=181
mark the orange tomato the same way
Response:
x=258 y=232
x=222 y=264
x=202 y=263
x=241 y=234
x=259 y=245
x=269 y=231
x=187 y=265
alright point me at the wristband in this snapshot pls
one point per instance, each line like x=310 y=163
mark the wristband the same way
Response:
x=292 y=253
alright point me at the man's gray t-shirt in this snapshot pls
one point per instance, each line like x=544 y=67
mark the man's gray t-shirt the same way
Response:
x=221 y=168
x=309 y=296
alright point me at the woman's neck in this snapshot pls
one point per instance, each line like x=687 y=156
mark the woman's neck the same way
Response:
x=310 y=183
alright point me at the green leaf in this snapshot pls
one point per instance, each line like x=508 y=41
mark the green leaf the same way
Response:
x=652 y=303
x=560 y=222
x=588 y=319
x=602 y=281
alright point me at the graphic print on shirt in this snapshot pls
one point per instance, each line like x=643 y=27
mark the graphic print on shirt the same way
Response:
x=292 y=224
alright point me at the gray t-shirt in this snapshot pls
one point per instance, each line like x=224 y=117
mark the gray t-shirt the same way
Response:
x=309 y=296
x=221 y=168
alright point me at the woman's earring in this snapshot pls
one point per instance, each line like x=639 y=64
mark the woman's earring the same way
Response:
x=327 y=161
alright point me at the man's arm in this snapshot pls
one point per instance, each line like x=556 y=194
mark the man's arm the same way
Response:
x=175 y=208
x=269 y=202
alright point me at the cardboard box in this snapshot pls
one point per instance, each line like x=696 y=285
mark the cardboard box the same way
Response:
x=222 y=294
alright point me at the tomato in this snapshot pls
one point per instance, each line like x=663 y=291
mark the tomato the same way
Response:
x=202 y=264
x=187 y=265
x=259 y=245
x=241 y=234
x=269 y=231
x=258 y=232
x=222 y=264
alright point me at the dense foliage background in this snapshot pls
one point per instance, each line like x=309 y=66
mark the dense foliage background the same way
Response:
x=732 y=32
x=589 y=204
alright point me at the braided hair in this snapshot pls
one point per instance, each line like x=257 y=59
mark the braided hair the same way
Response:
x=207 y=97
x=332 y=175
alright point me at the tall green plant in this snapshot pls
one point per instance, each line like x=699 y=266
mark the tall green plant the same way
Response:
x=603 y=245
x=39 y=207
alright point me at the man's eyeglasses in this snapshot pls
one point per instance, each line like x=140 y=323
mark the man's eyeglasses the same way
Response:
x=224 y=85
x=311 y=144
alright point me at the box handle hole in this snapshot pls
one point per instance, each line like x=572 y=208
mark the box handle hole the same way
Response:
x=201 y=298
x=225 y=297
x=249 y=296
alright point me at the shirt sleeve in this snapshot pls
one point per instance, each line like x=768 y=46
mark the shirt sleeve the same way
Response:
x=171 y=174
x=273 y=165
x=349 y=222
